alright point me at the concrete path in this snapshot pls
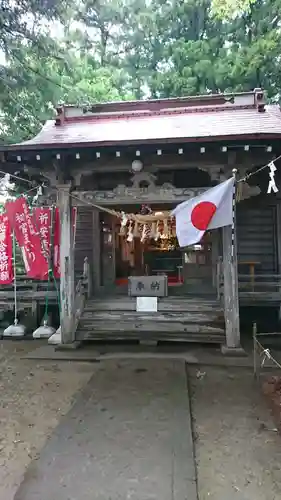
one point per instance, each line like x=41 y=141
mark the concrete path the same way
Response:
x=191 y=354
x=128 y=436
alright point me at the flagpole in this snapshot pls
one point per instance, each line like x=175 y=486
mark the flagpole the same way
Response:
x=15 y=281
x=46 y=330
x=15 y=329
x=231 y=298
x=233 y=225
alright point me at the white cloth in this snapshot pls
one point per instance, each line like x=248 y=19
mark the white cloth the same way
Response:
x=221 y=198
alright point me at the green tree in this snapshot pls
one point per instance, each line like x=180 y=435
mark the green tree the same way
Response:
x=24 y=24
x=227 y=9
x=254 y=40
x=31 y=86
x=192 y=52
x=123 y=49
x=23 y=20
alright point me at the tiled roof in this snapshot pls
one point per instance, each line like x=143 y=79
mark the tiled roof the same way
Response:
x=197 y=121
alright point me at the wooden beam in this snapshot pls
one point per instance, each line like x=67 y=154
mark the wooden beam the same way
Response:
x=169 y=161
x=231 y=303
x=67 y=286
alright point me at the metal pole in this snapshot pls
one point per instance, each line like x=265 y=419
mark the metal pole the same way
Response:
x=75 y=212
x=48 y=257
x=15 y=281
x=233 y=226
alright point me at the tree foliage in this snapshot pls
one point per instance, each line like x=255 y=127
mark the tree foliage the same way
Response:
x=124 y=49
x=227 y=9
x=31 y=86
x=27 y=20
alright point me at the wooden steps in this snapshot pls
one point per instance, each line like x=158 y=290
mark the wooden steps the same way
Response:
x=164 y=317
x=189 y=319
x=196 y=304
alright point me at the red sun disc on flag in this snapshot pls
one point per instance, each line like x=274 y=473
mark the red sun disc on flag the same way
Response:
x=202 y=214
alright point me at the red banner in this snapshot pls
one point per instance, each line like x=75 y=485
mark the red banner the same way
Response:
x=36 y=264
x=57 y=238
x=56 y=261
x=42 y=220
x=6 y=251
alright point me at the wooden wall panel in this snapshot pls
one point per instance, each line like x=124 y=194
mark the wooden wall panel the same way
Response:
x=256 y=237
x=84 y=239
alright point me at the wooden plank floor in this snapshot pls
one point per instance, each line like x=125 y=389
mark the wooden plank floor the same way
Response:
x=190 y=319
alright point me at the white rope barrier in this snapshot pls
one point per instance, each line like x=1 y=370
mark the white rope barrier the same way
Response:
x=261 y=354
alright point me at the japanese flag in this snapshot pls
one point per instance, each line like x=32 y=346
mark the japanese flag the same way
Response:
x=210 y=210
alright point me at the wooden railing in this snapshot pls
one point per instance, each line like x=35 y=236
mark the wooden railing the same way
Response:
x=82 y=293
x=28 y=292
x=219 y=278
x=264 y=287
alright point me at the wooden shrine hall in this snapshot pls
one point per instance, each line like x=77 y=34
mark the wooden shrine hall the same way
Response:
x=120 y=161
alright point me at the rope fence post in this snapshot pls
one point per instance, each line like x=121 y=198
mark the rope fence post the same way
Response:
x=261 y=354
x=256 y=376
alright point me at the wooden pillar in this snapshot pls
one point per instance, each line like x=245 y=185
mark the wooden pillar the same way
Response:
x=231 y=302
x=278 y=235
x=215 y=256
x=67 y=285
x=96 y=266
x=278 y=240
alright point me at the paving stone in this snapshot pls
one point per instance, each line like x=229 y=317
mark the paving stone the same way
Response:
x=128 y=436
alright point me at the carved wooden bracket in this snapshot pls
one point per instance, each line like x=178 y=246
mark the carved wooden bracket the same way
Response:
x=124 y=195
x=48 y=198
x=77 y=173
x=245 y=191
x=147 y=178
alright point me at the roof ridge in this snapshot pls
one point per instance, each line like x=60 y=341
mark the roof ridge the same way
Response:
x=195 y=98
x=246 y=119
x=156 y=106
x=274 y=110
x=162 y=112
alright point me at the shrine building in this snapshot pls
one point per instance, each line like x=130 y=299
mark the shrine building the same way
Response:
x=125 y=166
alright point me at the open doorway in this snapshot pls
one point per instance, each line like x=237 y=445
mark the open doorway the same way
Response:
x=188 y=271
x=148 y=258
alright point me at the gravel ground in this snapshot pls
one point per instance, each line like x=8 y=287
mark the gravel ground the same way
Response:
x=238 y=450
x=33 y=398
